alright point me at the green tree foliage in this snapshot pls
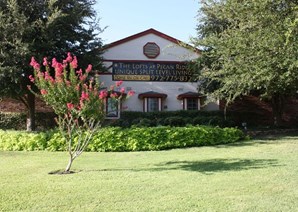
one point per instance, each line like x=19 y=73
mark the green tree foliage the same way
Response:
x=250 y=47
x=44 y=28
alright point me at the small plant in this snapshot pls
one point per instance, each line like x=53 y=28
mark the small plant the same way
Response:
x=77 y=99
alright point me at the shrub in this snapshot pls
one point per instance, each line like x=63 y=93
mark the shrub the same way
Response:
x=14 y=121
x=22 y=141
x=145 y=123
x=17 y=121
x=176 y=121
x=161 y=138
x=125 y=139
x=173 y=118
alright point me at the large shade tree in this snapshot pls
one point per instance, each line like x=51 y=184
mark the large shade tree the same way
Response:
x=249 y=47
x=43 y=28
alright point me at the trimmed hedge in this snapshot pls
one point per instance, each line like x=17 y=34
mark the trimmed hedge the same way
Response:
x=172 y=118
x=128 y=139
x=17 y=121
x=45 y=121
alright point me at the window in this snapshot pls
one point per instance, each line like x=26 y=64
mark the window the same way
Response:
x=152 y=101
x=192 y=104
x=151 y=50
x=112 y=108
x=190 y=100
x=152 y=104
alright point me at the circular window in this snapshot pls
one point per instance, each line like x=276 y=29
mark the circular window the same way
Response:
x=151 y=50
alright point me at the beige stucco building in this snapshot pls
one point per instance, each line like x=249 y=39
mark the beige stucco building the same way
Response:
x=153 y=65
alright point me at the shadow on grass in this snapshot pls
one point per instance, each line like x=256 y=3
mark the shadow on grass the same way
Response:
x=276 y=137
x=276 y=134
x=221 y=165
x=206 y=167
x=260 y=140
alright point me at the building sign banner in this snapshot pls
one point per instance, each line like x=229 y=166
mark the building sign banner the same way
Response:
x=151 y=71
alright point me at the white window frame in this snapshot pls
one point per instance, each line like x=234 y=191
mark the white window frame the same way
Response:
x=146 y=104
x=185 y=103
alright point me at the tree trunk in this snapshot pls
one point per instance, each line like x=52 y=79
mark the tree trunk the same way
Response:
x=67 y=169
x=278 y=101
x=30 y=123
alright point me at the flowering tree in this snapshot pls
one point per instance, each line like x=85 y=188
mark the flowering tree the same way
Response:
x=77 y=99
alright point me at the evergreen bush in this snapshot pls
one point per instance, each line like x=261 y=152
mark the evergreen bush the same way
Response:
x=124 y=139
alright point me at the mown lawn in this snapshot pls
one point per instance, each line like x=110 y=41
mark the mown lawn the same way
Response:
x=257 y=175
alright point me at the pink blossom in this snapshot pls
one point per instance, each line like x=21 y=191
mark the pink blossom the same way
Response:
x=89 y=68
x=84 y=96
x=59 y=70
x=69 y=57
x=114 y=95
x=43 y=92
x=74 y=62
x=47 y=76
x=122 y=90
x=33 y=61
x=70 y=106
x=45 y=61
x=68 y=83
x=31 y=78
x=119 y=83
x=77 y=87
x=131 y=93
x=29 y=87
x=34 y=64
x=103 y=94
x=81 y=105
x=112 y=87
x=40 y=74
x=54 y=62
x=79 y=72
x=82 y=78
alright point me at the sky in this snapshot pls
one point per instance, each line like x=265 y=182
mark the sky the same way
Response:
x=123 y=18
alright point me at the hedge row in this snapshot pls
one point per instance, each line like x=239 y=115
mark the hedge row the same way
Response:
x=45 y=121
x=172 y=118
x=128 y=139
x=17 y=121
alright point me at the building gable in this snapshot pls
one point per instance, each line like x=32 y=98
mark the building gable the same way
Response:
x=134 y=48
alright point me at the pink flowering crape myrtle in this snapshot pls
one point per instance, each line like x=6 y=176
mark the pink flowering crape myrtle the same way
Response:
x=77 y=99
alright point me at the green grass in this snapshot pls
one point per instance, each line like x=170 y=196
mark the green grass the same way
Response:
x=257 y=175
